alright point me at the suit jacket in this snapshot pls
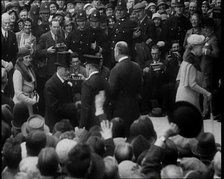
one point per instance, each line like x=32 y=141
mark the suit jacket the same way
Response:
x=46 y=41
x=7 y=100
x=59 y=102
x=90 y=88
x=9 y=48
x=125 y=82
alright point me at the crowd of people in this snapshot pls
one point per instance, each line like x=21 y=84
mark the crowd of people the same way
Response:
x=81 y=79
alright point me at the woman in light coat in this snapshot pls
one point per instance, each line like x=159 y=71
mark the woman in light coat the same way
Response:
x=24 y=81
x=189 y=75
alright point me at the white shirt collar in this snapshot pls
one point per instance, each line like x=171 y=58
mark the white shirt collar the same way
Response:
x=3 y=32
x=155 y=62
x=122 y=58
x=53 y=36
x=60 y=78
x=91 y=74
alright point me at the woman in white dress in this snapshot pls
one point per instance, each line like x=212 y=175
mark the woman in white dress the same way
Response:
x=189 y=75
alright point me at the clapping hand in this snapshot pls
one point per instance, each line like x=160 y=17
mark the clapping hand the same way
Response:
x=106 y=129
x=172 y=130
x=51 y=50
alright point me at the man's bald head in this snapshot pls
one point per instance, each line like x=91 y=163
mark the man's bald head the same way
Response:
x=172 y=172
x=123 y=151
x=6 y=21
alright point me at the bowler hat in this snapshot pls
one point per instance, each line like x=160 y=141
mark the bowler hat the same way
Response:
x=206 y=146
x=34 y=123
x=92 y=59
x=21 y=114
x=187 y=117
x=121 y=5
x=63 y=59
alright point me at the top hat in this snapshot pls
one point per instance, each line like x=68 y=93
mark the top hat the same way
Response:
x=121 y=5
x=187 y=117
x=34 y=123
x=63 y=59
x=206 y=146
x=92 y=59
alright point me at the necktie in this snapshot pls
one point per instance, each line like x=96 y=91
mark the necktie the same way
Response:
x=6 y=36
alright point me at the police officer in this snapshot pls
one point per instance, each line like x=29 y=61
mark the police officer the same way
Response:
x=99 y=44
x=123 y=28
x=177 y=25
x=79 y=40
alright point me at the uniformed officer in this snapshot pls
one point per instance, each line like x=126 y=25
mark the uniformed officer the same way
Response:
x=123 y=28
x=99 y=39
x=79 y=40
x=177 y=25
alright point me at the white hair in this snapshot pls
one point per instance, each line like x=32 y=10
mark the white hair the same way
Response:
x=5 y=16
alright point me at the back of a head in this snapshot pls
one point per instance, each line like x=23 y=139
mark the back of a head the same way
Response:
x=171 y=172
x=97 y=145
x=123 y=151
x=139 y=144
x=62 y=126
x=12 y=153
x=122 y=48
x=79 y=159
x=63 y=147
x=118 y=127
x=171 y=153
x=111 y=168
x=48 y=161
x=35 y=141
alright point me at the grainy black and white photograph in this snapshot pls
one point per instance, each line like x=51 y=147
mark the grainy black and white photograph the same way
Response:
x=111 y=89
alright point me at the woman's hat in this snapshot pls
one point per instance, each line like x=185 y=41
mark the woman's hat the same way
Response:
x=206 y=146
x=34 y=122
x=195 y=39
x=24 y=52
x=187 y=117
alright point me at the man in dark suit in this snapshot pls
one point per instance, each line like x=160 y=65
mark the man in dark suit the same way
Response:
x=9 y=49
x=90 y=88
x=46 y=56
x=58 y=94
x=125 y=82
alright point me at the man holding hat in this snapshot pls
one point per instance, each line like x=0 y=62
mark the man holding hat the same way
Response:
x=90 y=88
x=177 y=25
x=58 y=93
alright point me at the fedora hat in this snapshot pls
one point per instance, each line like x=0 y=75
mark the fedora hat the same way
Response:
x=206 y=146
x=187 y=117
x=34 y=122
